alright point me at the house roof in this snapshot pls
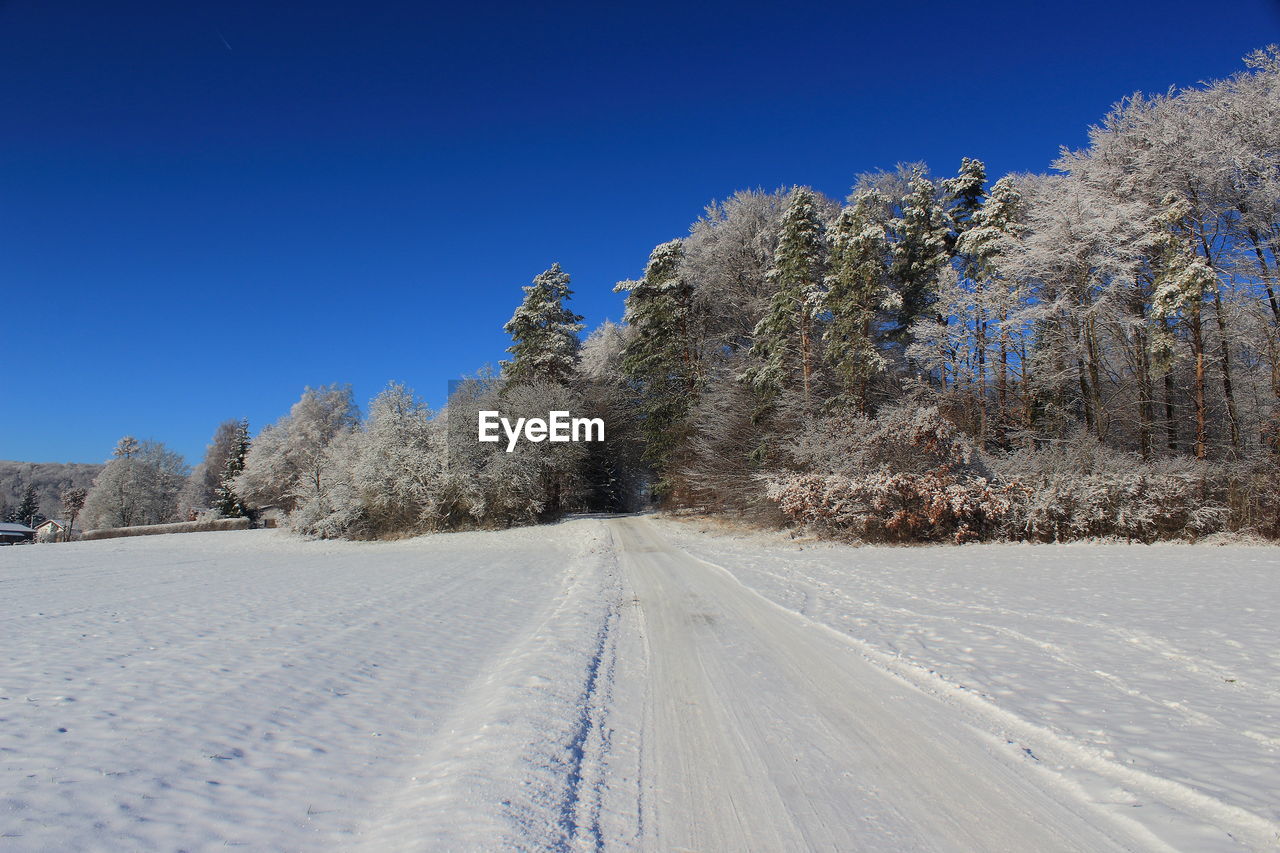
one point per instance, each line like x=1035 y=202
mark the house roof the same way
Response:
x=6 y=527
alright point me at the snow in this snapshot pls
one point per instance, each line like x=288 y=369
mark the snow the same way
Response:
x=635 y=683
x=247 y=688
x=1148 y=676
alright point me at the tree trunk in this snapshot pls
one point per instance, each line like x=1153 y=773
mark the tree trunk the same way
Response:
x=1228 y=393
x=1145 y=414
x=1197 y=350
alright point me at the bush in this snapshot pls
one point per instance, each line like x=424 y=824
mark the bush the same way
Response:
x=894 y=507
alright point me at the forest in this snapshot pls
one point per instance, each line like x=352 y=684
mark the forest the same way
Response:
x=1090 y=352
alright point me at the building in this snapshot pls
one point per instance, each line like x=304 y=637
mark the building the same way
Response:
x=13 y=534
x=52 y=530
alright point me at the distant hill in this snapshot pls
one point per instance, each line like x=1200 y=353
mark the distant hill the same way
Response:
x=50 y=479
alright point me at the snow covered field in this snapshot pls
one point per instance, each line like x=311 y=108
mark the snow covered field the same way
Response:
x=206 y=690
x=636 y=683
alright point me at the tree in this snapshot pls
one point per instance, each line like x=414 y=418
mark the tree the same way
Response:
x=857 y=292
x=200 y=492
x=225 y=500
x=29 y=509
x=785 y=339
x=662 y=355
x=72 y=503
x=964 y=194
x=1182 y=280
x=288 y=464
x=988 y=233
x=917 y=252
x=401 y=466
x=544 y=331
x=139 y=485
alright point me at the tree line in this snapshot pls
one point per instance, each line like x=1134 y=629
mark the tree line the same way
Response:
x=1093 y=352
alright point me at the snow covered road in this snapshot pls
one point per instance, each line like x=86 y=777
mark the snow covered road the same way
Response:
x=769 y=732
x=631 y=683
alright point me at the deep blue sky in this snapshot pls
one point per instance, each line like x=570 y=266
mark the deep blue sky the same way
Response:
x=205 y=207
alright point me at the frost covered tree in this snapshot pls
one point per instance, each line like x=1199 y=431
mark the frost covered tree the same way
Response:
x=400 y=470
x=225 y=500
x=662 y=355
x=72 y=502
x=857 y=292
x=199 y=494
x=1182 y=281
x=917 y=253
x=786 y=338
x=29 y=508
x=289 y=463
x=544 y=332
x=139 y=485
x=964 y=194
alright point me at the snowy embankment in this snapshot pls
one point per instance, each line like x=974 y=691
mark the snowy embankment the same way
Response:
x=1146 y=676
x=248 y=688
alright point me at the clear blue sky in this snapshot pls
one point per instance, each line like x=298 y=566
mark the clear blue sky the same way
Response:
x=205 y=207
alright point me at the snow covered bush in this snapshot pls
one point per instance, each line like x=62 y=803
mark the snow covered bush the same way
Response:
x=909 y=475
x=1082 y=489
x=887 y=506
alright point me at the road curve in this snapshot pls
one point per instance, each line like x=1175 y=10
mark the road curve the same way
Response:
x=764 y=731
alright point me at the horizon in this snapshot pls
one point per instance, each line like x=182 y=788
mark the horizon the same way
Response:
x=225 y=207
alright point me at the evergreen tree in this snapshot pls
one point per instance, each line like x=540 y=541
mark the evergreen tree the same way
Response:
x=544 y=331
x=29 y=508
x=785 y=337
x=964 y=194
x=662 y=356
x=989 y=231
x=918 y=252
x=857 y=291
x=225 y=499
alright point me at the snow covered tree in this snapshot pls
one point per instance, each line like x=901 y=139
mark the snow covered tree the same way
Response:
x=1182 y=280
x=544 y=331
x=964 y=194
x=401 y=467
x=225 y=500
x=988 y=232
x=662 y=354
x=29 y=508
x=785 y=339
x=139 y=485
x=288 y=463
x=917 y=252
x=857 y=292
x=72 y=503
x=200 y=492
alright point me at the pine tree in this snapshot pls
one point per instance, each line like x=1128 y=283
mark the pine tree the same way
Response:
x=544 y=331
x=918 y=252
x=225 y=499
x=29 y=508
x=964 y=194
x=663 y=355
x=857 y=291
x=988 y=231
x=785 y=337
